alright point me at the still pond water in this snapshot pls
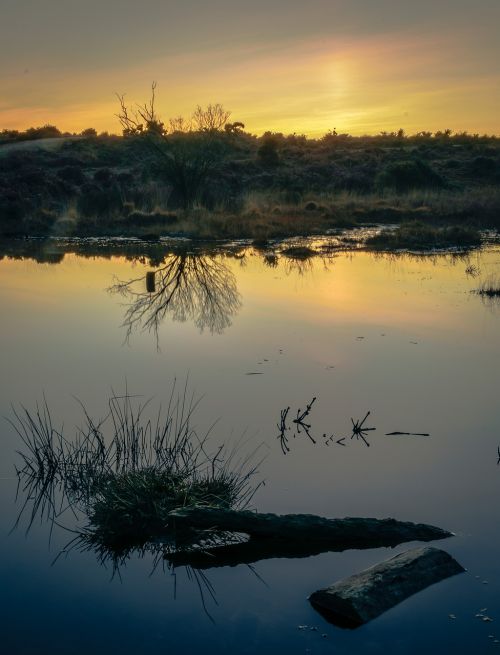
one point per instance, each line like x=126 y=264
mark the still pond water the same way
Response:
x=401 y=336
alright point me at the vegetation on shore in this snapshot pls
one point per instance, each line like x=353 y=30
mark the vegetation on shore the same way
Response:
x=419 y=236
x=205 y=177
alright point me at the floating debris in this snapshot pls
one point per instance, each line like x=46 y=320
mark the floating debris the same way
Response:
x=282 y=427
x=254 y=373
x=452 y=616
x=358 y=430
x=300 y=420
x=411 y=434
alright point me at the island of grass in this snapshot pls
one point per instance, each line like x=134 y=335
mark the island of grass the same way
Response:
x=416 y=235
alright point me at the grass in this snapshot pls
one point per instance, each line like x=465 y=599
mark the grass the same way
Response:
x=490 y=287
x=420 y=236
x=128 y=471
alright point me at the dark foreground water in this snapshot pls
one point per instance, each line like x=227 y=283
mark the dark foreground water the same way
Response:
x=400 y=336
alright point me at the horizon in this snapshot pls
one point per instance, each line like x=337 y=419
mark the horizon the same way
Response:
x=396 y=134
x=276 y=66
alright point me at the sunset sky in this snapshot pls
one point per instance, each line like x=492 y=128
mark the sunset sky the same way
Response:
x=361 y=66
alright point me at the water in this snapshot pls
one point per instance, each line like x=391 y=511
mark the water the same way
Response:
x=400 y=336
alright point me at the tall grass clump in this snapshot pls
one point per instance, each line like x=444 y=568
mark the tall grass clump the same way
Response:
x=490 y=287
x=127 y=471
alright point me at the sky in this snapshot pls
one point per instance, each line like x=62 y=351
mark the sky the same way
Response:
x=308 y=66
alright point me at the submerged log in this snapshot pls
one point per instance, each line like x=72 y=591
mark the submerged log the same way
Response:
x=333 y=534
x=364 y=596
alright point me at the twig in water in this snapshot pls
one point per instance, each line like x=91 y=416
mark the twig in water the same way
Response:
x=358 y=430
x=300 y=420
x=340 y=441
x=282 y=427
x=411 y=434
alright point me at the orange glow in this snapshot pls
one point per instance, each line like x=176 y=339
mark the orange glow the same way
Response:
x=355 y=85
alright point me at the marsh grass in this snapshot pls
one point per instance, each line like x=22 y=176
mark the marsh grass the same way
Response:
x=421 y=236
x=127 y=471
x=490 y=287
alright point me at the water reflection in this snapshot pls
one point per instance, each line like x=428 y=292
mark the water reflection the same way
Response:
x=200 y=288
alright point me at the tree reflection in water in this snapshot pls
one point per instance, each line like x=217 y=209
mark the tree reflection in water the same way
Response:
x=199 y=288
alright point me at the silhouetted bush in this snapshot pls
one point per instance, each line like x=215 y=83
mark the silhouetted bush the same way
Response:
x=72 y=174
x=406 y=175
x=97 y=202
x=44 y=132
x=12 y=213
x=268 y=151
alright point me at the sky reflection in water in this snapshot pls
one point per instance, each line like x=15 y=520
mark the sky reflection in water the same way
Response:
x=402 y=337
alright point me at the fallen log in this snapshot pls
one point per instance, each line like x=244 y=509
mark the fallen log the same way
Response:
x=364 y=596
x=346 y=532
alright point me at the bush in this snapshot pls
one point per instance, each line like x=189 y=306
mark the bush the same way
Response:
x=407 y=175
x=72 y=174
x=12 y=212
x=483 y=166
x=96 y=202
x=268 y=152
x=44 y=132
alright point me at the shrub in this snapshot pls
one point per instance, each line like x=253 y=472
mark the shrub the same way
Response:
x=268 y=152
x=407 y=175
x=72 y=174
x=96 y=202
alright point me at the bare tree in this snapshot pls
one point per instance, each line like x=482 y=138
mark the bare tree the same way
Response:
x=187 y=158
x=211 y=119
x=179 y=124
x=141 y=119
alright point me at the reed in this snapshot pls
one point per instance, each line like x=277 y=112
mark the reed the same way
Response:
x=128 y=471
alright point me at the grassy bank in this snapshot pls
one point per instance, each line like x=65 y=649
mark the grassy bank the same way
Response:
x=267 y=187
x=419 y=236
